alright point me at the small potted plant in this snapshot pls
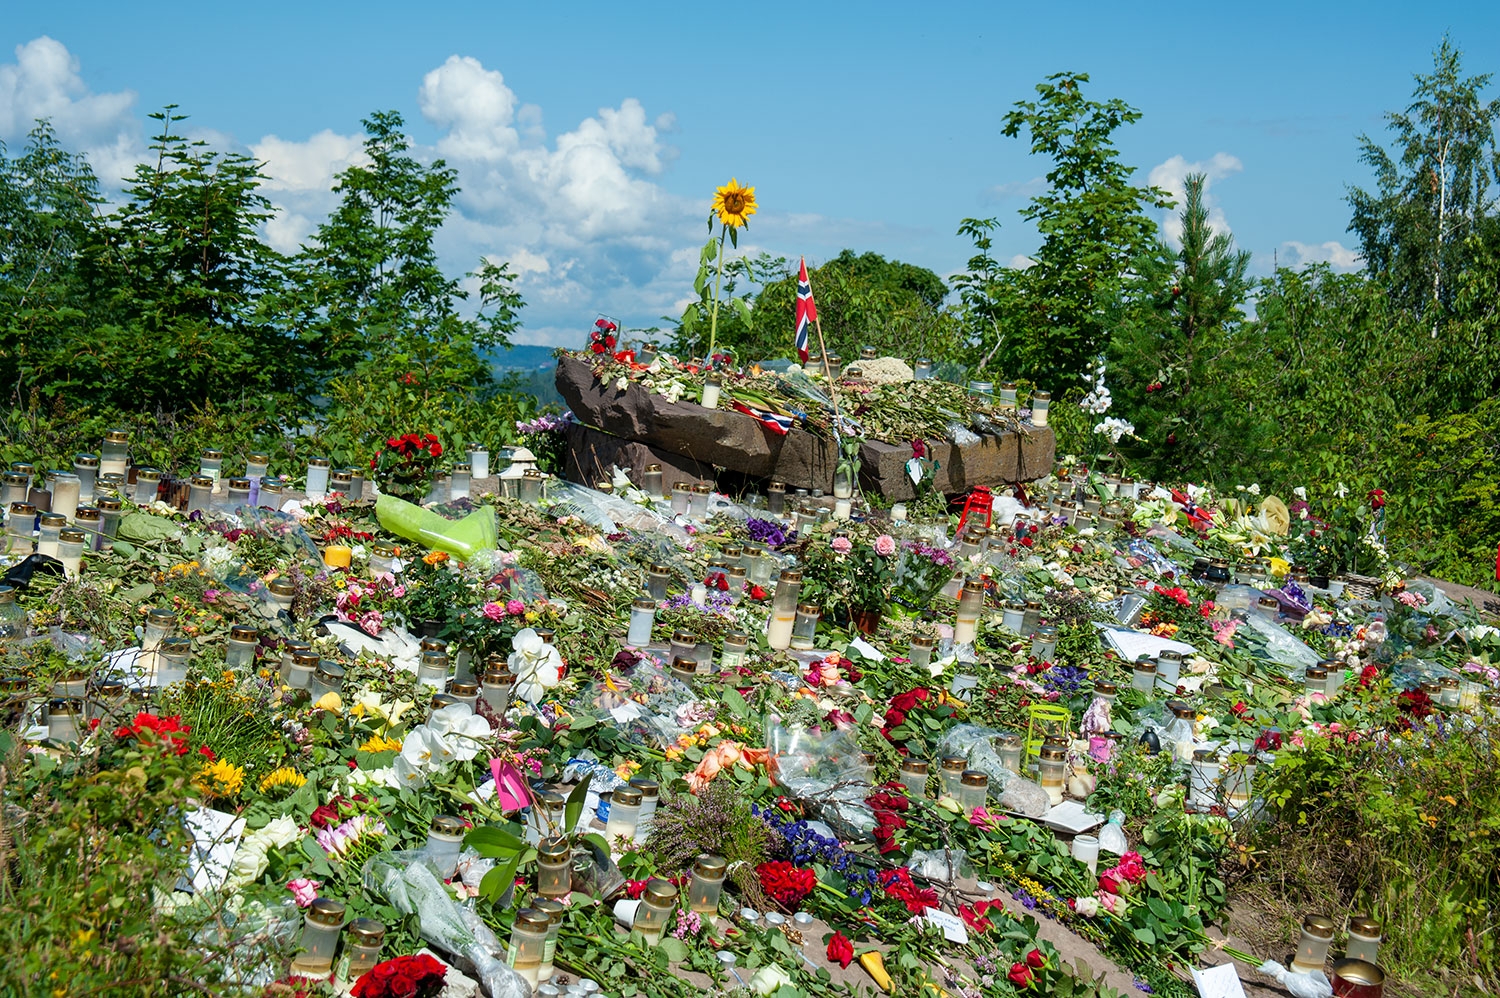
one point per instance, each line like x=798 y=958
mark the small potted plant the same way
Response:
x=405 y=466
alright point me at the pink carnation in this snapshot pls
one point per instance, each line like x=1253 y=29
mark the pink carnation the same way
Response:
x=885 y=545
x=515 y=607
x=842 y=545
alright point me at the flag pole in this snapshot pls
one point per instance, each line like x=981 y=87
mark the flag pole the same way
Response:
x=832 y=395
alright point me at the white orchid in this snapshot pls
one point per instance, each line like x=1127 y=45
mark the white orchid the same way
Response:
x=460 y=730
x=1300 y=492
x=536 y=665
x=422 y=752
x=1115 y=428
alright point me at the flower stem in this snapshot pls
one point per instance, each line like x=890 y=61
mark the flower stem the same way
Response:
x=713 y=314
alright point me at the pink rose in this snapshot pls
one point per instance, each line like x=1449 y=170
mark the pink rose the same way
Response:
x=1111 y=904
x=515 y=607
x=304 y=891
x=885 y=545
x=494 y=611
x=842 y=545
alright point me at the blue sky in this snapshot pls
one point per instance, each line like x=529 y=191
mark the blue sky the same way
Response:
x=589 y=137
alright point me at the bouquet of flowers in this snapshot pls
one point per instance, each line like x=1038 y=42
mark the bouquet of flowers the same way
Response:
x=418 y=976
x=404 y=467
x=602 y=337
x=921 y=571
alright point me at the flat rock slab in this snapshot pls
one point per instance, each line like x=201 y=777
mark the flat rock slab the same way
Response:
x=686 y=436
x=592 y=452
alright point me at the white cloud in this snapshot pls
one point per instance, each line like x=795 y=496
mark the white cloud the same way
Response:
x=1295 y=254
x=308 y=166
x=44 y=82
x=1171 y=177
x=581 y=214
x=1019 y=188
x=1020 y=262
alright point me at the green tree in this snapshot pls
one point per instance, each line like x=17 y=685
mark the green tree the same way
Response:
x=370 y=295
x=1057 y=314
x=49 y=200
x=173 y=309
x=1176 y=353
x=1432 y=189
x=863 y=300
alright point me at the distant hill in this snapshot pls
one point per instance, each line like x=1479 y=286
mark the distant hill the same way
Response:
x=531 y=369
x=521 y=358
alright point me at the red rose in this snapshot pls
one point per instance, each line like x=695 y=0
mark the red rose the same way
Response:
x=1035 y=960
x=597 y=347
x=973 y=916
x=840 y=950
x=1020 y=975
x=1109 y=883
x=403 y=986
x=918 y=449
x=435 y=450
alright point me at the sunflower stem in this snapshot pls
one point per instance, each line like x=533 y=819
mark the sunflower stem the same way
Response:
x=713 y=313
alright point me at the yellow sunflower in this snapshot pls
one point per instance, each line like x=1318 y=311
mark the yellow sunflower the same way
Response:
x=285 y=779
x=220 y=779
x=734 y=204
x=377 y=743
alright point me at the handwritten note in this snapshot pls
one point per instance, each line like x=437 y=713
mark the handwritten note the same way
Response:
x=1222 y=981
x=953 y=927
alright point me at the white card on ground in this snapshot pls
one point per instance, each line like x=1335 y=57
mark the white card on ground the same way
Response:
x=866 y=649
x=625 y=712
x=1222 y=981
x=953 y=927
x=216 y=836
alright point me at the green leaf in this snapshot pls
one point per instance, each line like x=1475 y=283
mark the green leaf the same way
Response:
x=575 y=806
x=1146 y=936
x=1159 y=908
x=493 y=841
x=675 y=949
x=736 y=703
x=498 y=880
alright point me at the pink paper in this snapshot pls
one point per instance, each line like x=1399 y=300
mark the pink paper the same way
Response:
x=510 y=786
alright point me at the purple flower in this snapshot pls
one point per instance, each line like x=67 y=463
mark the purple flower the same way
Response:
x=766 y=532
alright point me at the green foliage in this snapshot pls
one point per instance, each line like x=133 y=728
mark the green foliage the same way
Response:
x=83 y=864
x=1057 y=314
x=1177 y=346
x=1432 y=190
x=1406 y=828
x=863 y=300
x=370 y=296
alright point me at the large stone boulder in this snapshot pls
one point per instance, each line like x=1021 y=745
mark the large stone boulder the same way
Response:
x=633 y=427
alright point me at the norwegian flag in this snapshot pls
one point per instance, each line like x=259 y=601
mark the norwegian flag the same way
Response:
x=773 y=421
x=807 y=311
